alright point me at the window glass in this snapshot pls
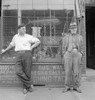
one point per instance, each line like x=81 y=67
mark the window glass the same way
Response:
x=47 y=25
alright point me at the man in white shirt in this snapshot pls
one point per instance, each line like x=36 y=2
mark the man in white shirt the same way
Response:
x=23 y=45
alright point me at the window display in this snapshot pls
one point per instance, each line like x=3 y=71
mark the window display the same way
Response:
x=48 y=25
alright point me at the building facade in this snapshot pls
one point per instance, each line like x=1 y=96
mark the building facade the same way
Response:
x=48 y=20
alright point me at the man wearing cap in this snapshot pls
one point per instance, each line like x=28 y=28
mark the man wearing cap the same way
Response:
x=23 y=44
x=72 y=50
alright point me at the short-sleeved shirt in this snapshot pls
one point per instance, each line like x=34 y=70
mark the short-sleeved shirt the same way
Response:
x=23 y=42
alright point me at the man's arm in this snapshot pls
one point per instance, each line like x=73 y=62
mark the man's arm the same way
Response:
x=7 y=49
x=81 y=46
x=35 y=45
x=64 y=43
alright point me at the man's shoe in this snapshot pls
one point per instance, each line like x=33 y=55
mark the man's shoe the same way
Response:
x=65 y=90
x=30 y=90
x=78 y=90
x=25 y=91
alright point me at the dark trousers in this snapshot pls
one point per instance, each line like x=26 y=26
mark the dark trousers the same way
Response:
x=23 y=67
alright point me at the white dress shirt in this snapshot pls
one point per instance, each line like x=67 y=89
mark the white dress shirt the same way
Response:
x=23 y=42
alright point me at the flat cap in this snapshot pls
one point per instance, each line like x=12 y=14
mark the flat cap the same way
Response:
x=21 y=25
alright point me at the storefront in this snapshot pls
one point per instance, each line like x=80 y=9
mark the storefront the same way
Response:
x=48 y=20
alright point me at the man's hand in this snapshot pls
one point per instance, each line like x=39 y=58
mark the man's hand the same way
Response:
x=2 y=51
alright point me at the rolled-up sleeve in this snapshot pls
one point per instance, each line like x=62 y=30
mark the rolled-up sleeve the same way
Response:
x=13 y=42
x=34 y=40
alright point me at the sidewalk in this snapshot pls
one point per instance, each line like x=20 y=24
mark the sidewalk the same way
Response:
x=41 y=93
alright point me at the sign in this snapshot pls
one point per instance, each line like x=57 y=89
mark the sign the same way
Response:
x=41 y=74
x=36 y=31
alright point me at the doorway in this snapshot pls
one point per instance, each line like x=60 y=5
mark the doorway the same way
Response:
x=90 y=36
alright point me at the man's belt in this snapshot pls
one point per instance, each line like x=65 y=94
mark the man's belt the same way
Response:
x=73 y=49
x=23 y=51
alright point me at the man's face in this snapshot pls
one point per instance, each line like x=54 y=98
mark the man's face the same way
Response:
x=22 y=30
x=73 y=29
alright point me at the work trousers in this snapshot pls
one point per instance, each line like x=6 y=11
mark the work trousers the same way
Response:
x=23 y=67
x=72 y=61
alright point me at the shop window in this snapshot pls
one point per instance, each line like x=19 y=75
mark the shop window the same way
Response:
x=47 y=25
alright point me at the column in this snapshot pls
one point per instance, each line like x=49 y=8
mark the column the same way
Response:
x=19 y=11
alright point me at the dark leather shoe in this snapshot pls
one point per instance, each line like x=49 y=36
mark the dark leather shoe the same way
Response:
x=78 y=90
x=25 y=91
x=30 y=90
x=65 y=90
